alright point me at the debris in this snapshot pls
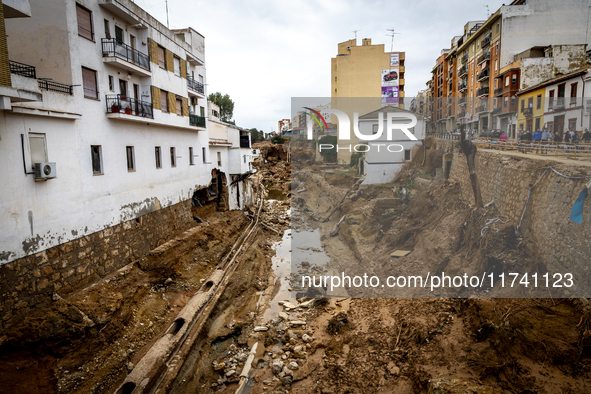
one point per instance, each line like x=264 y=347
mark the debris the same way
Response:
x=399 y=253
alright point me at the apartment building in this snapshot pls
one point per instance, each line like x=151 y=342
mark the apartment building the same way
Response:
x=368 y=72
x=104 y=142
x=440 y=91
x=489 y=46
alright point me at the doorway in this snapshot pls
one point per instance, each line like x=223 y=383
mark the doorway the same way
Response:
x=559 y=125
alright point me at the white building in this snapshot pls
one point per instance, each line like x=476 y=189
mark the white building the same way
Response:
x=116 y=103
x=385 y=157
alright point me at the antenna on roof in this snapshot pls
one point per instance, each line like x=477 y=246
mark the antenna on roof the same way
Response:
x=355 y=31
x=167 y=22
x=392 y=33
x=487 y=11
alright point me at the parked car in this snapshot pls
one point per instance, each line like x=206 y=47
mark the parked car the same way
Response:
x=392 y=75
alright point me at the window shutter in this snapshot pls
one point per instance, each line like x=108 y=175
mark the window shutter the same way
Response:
x=155 y=97
x=183 y=68
x=185 y=106
x=161 y=58
x=169 y=61
x=89 y=83
x=153 y=51
x=84 y=22
x=171 y=103
x=164 y=101
x=179 y=106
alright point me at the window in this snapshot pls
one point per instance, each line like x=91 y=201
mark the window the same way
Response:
x=374 y=128
x=522 y=105
x=539 y=101
x=97 y=159
x=498 y=26
x=572 y=124
x=123 y=87
x=111 y=83
x=130 y=158
x=179 y=106
x=177 y=66
x=514 y=79
x=203 y=155
x=202 y=111
x=38 y=148
x=107 y=29
x=172 y=157
x=84 y=17
x=561 y=90
x=191 y=161
x=537 y=124
x=513 y=100
x=530 y=102
x=161 y=57
x=573 y=93
x=551 y=99
x=496 y=64
x=507 y=80
x=407 y=155
x=89 y=83
x=164 y=100
x=158 y=153
x=219 y=159
x=119 y=34
x=506 y=101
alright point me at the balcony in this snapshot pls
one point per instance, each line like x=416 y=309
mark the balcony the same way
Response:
x=465 y=58
x=118 y=104
x=484 y=74
x=196 y=120
x=195 y=86
x=24 y=70
x=486 y=40
x=483 y=107
x=123 y=56
x=497 y=110
x=45 y=84
x=528 y=111
x=463 y=70
x=485 y=56
x=482 y=91
x=557 y=104
x=498 y=91
x=462 y=100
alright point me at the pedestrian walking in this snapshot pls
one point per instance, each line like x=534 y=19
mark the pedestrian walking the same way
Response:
x=586 y=136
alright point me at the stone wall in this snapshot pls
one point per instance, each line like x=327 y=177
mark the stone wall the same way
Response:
x=28 y=283
x=562 y=245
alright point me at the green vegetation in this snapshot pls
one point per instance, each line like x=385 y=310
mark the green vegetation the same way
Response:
x=278 y=139
x=226 y=106
x=330 y=155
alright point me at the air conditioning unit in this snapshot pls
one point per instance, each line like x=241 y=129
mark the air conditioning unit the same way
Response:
x=44 y=171
x=194 y=100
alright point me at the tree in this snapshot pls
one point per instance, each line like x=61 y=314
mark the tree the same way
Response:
x=256 y=135
x=330 y=155
x=226 y=105
x=469 y=150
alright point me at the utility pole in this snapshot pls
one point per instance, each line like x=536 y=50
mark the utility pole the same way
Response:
x=391 y=34
x=167 y=22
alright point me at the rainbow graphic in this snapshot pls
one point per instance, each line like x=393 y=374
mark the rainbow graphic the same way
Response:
x=316 y=115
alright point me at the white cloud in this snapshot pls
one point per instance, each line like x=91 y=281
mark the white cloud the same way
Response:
x=262 y=53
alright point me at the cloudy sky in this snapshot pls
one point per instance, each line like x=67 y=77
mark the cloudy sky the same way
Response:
x=262 y=53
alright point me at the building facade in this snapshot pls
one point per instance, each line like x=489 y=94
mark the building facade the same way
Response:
x=104 y=143
x=368 y=72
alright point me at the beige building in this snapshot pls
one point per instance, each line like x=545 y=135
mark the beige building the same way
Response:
x=369 y=72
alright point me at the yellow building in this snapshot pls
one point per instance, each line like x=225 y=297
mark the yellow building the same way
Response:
x=365 y=71
x=530 y=110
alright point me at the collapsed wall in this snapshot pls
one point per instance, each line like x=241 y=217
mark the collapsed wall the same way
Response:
x=505 y=180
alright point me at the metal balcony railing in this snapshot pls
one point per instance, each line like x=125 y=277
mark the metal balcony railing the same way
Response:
x=117 y=103
x=485 y=56
x=462 y=85
x=463 y=70
x=483 y=107
x=465 y=58
x=482 y=91
x=498 y=91
x=483 y=74
x=462 y=100
x=485 y=40
x=45 y=84
x=528 y=111
x=113 y=47
x=497 y=110
x=196 y=120
x=195 y=85
x=22 y=69
x=244 y=141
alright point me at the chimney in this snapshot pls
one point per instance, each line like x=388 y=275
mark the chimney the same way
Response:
x=366 y=41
